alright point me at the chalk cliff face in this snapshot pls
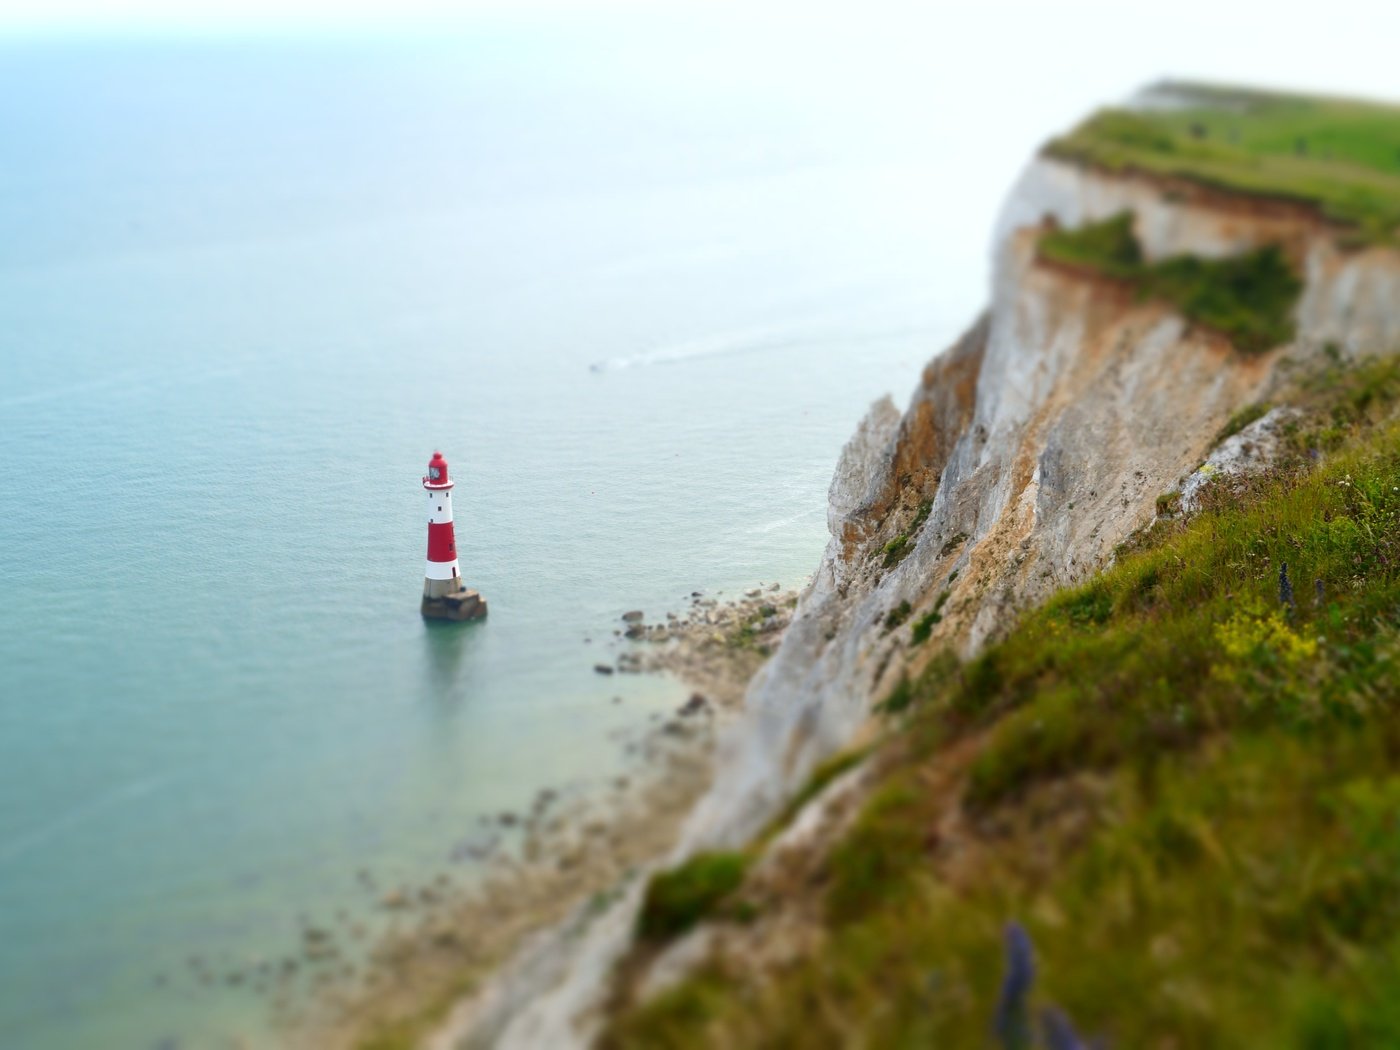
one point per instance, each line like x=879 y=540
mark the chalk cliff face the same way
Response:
x=1038 y=442
x=1029 y=450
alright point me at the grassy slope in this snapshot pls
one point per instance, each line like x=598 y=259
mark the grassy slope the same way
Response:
x=1186 y=788
x=1342 y=156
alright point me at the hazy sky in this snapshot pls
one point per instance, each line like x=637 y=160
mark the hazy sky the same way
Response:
x=1343 y=42
x=966 y=91
x=1343 y=45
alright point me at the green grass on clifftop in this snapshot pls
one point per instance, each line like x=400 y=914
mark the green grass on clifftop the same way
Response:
x=1183 y=778
x=1340 y=156
x=1247 y=298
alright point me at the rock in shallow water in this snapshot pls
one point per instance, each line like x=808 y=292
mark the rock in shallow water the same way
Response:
x=693 y=706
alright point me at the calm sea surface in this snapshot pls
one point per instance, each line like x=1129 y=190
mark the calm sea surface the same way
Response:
x=245 y=291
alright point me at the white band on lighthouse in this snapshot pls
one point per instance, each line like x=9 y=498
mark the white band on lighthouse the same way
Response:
x=442 y=570
x=439 y=506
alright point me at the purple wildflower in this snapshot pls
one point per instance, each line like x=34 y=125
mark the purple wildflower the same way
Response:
x=1012 y=1022
x=1059 y=1033
x=1285 y=590
x=1317 y=592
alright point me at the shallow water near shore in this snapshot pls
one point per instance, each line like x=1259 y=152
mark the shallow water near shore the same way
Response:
x=239 y=317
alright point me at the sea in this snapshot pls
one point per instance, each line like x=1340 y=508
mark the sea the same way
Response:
x=637 y=296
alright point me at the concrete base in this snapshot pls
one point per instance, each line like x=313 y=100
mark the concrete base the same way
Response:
x=463 y=605
x=442 y=588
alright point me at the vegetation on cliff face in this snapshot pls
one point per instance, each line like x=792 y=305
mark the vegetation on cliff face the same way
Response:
x=1340 y=156
x=678 y=899
x=1247 y=298
x=1181 y=778
x=895 y=550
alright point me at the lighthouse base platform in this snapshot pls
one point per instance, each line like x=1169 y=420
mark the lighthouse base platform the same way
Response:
x=461 y=605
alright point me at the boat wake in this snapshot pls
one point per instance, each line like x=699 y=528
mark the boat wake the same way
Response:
x=749 y=341
x=26 y=842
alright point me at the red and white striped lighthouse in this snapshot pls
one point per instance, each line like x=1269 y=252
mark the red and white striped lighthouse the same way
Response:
x=443 y=576
x=444 y=595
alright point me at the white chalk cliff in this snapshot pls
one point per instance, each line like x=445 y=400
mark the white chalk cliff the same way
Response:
x=1042 y=439
x=1038 y=442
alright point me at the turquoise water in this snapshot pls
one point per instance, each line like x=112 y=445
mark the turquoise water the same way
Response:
x=245 y=291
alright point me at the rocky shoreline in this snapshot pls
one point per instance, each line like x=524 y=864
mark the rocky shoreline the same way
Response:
x=444 y=939
x=715 y=646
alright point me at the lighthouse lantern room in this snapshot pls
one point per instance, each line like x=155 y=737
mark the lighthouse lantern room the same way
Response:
x=445 y=596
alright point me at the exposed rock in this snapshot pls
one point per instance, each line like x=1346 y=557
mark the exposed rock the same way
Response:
x=1252 y=451
x=635 y=616
x=602 y=669
x=693 y=706
x=675 y=963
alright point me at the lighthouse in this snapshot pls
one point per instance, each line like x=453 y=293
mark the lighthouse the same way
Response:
x=445 y=596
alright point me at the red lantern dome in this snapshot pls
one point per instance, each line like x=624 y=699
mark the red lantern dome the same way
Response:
x=437 y=478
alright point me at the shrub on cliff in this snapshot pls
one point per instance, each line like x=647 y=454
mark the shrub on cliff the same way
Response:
x=1109 y=247
x=678 y=899
x=1247 y=298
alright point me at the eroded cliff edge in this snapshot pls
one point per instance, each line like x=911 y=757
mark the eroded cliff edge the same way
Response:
x=1029 y=451
x=1040 y=441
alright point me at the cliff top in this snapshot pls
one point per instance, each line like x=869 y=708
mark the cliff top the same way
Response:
x=1338 y=155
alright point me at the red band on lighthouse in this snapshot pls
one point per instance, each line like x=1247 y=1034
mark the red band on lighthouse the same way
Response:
x=442 y=545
